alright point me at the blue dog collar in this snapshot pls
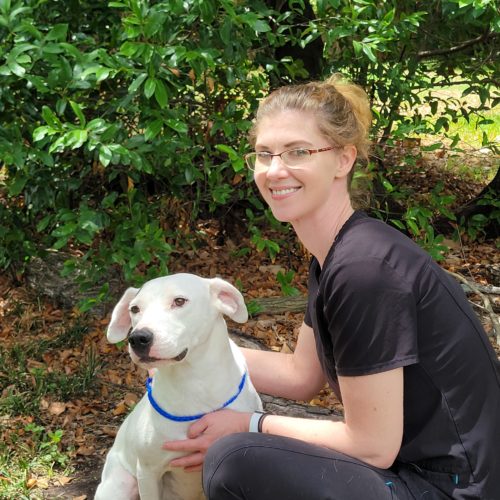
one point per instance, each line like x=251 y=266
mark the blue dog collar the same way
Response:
x=188 y=418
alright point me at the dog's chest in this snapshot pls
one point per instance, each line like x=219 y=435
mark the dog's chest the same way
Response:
x=145 y=431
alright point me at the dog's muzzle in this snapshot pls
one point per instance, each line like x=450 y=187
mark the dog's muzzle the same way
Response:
x=141 y=341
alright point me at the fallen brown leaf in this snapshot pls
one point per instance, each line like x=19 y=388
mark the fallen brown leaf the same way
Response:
x=109 y=431
x=64 y=480
x=130 y=399
x=120 y=409
x=56 y=408
x=86 y=451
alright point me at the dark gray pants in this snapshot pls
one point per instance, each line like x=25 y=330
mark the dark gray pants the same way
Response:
x=254 y=466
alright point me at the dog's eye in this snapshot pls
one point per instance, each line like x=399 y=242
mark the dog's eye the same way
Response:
x=179 y=301
x=134 y=309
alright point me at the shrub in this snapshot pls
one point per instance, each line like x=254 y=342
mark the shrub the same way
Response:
x=121 y=123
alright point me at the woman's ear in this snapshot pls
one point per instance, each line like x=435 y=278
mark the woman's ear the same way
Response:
x=346 y=159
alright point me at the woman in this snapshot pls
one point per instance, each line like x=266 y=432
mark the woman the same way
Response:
x=388 y=329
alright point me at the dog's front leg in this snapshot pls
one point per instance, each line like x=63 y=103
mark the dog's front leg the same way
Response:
x=116 y=481
x=149 y=481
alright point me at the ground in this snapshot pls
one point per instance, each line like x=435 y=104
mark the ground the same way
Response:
x=68 y=352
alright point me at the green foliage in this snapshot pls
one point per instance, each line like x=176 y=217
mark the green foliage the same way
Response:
x=105 y=130
x=404 y=52
x=253 y=308
x=417 y=220
x=112 y=115
x=264 y=244
x=47 y=445
x=476 y=223
x=39 y=454
x=285 y=280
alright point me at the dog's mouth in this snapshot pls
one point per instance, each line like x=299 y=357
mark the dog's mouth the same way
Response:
x=149 y=359
x=182 y=355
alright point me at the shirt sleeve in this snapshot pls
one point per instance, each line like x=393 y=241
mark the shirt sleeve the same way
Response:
x=371 y=314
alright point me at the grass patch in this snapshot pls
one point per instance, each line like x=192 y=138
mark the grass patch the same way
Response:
x=33 y=375
x=478 y=131
x=29 y=458
x=458 y=117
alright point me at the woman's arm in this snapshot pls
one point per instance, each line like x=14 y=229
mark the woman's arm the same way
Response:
x=297 y=376
x=372 y=429
x=373 y=405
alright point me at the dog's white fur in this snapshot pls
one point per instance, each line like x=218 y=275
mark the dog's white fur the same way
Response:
x=182 y=311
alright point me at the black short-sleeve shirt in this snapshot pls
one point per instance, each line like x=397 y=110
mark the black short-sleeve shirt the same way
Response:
x=380 y=302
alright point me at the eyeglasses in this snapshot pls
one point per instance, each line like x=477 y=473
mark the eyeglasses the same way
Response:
x=292 y=158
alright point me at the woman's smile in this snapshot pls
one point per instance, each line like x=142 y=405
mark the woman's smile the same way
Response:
x=283 y=192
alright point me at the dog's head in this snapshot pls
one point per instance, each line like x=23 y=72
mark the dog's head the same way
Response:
x=168 y=317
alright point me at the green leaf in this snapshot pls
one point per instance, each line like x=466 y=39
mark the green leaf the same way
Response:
x=137 y=83
x=255 y=22
x=413 y=227
x=369 y=53
x=51 y=118
x=228 y=150
x=389 y=17
x=153 y=129
x=161 y=95
x=78 y=112
x=78 y=138
x=149 y=87
x=358 y=47
x=387 y=186
x=432 y=147
x=16 y=187
x=16 y=68
x=40 y=132
x=177 y=125
x=105 y=155
x=65 y=230
x=58 y=33
x=44 y=223
x=102 y=74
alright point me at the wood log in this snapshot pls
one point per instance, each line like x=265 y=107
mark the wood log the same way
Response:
x=282 y=406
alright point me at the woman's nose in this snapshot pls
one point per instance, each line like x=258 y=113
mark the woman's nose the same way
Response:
x=277 y=167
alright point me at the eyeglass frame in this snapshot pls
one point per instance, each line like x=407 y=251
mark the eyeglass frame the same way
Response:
x=292 y=167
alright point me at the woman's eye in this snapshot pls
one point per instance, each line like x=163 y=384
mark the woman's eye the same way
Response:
x=298 y=153
x=179 y=301
x=264 y=156
x=134 y=309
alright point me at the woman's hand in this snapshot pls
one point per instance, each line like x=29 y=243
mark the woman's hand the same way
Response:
x=203 y=433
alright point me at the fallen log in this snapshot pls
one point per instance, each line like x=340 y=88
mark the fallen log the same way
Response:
x=282 y=406
x=44 y=277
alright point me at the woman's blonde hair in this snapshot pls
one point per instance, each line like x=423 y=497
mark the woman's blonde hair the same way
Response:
x=342 y=109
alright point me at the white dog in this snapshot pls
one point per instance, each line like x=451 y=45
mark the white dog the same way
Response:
x=179 y=334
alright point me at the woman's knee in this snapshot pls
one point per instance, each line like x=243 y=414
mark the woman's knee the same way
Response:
x=224 y=466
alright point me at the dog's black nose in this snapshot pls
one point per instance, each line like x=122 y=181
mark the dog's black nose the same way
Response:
x=141 y=341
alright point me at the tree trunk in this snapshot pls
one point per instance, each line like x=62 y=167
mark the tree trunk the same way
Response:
x=312 y=54
x=482 y=204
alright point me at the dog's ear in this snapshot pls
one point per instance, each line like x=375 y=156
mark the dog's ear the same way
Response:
x=120 y=319
x=228 y=300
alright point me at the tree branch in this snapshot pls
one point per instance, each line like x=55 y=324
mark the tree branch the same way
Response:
x=486 y=303
x=424 y=54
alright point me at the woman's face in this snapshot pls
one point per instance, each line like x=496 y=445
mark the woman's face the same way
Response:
x=295 y=195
